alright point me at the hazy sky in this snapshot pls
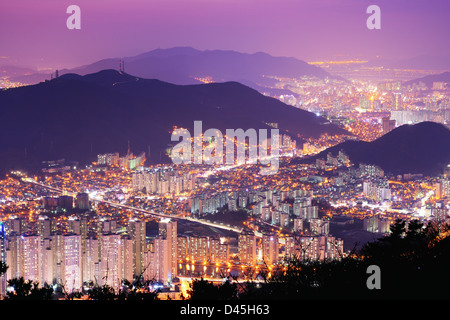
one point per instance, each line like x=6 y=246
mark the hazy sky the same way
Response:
x=34 y=32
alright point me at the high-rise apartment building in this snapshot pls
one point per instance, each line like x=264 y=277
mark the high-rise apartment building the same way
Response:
x=182 y=248
x=168 y=230
x=57 y=248
x=30 y=257
x=162 y=182
x=376 y=224
x=16 y=225
x=2 y=257
x=78 y=226
x=126 y=258
x=137 y=232
x=377 y=190
x=82 y=201
x=45 y=226
x=158 y=261
x=368 y=170
x=247 y=247
x=315 y=248
x=199 y=248
x=110 y=159
x=70 y=258
x=162 y=260
x=65 y=202
x=91 y=260
x=47 y=262
x=13 y=256
x=219 y=251
x=298 y=225
x=110 y=261
x=443 y=188
x=388 y=125
x=270 y=248
x=319 y=226
x=72 y=275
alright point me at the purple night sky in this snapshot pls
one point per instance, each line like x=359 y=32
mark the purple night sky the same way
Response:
x=34 y=32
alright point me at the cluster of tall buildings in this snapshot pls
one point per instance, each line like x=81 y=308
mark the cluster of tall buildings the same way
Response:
x=369 y=103
x=288 y=208
x=195 y=248
x=314 y=247
x=439 y=85
x=67 y=202
x=82 y=255
x=440 y=211
x=294 y=211
x=390 y=86
x=162 y=181
x=251 y=249
x=277 y=211
x=333 y=161
x=311 y=148
x=287 y=144
x=388 y=124
x=234 y=200
x=370 y=170
x=247 y=248
x=129 y=161
x=109 y=159
x=161 y=259
x=2 y=257
x=402 y=117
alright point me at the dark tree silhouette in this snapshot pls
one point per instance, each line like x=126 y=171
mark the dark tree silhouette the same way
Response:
x=138 y=290
x=102 y=293
x=28 y=290
x=201 y=289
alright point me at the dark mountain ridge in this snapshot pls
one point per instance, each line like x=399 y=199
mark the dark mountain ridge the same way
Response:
x=421 y=148
x=428 y=80
x=77 y=117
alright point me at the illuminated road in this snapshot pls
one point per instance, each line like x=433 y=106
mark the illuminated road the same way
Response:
x=144 y=211
x=151 y=212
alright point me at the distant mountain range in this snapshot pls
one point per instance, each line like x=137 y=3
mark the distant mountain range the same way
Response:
x=421 y=148
x=13 y=71
x=186 y=65
x=77 y=117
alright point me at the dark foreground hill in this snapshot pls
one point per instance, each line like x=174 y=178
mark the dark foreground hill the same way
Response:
x=76 y=117
x=421 y=148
